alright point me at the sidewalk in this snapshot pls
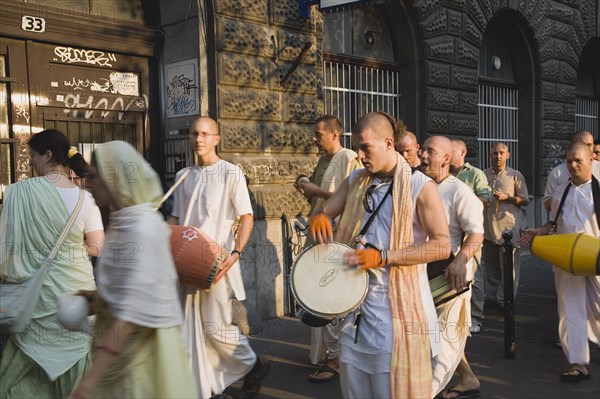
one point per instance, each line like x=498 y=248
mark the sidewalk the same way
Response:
x=534 y=373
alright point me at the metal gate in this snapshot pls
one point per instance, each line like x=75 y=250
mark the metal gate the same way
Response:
x=586 y=115
x=351 y=90
x=498 y=111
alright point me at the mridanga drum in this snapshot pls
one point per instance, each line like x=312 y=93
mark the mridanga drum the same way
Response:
x=324 y=285
x=576 y=253
x=197 y=257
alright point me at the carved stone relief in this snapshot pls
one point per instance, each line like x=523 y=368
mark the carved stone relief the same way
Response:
x=435 y=24
x=288 y=137
x=303 y=79
x=477 y=13
x=273 y=201
x=301 y=108
x=441 y=49
x=465 y=78
x=455 y=24
x=438 y=74
x=568 y=73
x=565 y=128
x=466 y=54
x=553 y=149
x=286 y=13
x=552 y=110
x=244 y=37
x=463 y=123
x=276 y=169
x=438 y=122
x=473 y=33
x=291 y=44
x=559 y=11
x=426 y=7
x=443 y=99
x=242 y=71
x=549 y=90
x=237 y=103
x=548 y=128
x=254 y=10
x=551 y=70
x=565 y=93
x=240 y=136
x=468 y=102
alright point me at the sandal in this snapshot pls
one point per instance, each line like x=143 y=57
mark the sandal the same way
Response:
x=575 y=375
x=314 y=377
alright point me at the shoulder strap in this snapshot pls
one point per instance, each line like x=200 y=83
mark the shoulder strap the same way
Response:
x=66 y=229
x=364 y=229
x=562 y=203
x=596 y=196
x=174 y=186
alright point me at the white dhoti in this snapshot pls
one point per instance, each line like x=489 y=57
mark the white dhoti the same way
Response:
x=454 y=317
x=219 y=353
x=578 y=313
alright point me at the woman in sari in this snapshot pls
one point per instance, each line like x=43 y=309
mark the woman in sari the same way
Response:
x=46 y=360
x=137 y=351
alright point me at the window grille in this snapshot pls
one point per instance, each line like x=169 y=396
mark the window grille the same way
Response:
x=351 y=90
x=586 y=115
x=498 y=110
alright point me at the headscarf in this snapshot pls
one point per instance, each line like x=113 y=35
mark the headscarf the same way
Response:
x=139 y=285
x=128 y=177
x=411 y=360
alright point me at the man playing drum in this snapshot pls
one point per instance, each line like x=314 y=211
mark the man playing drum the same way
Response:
x=333 y=167
x=215 y=194
x=465 y=218
x=385 y=352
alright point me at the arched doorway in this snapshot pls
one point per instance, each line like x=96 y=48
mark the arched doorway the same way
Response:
x=507 y=109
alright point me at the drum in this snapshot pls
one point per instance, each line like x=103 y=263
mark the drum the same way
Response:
x=441 y=289
x=324 y=286
x=197 y=257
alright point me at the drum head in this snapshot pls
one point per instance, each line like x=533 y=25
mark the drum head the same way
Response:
x=324 y=285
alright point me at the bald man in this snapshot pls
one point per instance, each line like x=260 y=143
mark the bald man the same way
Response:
x=560 y=174
x=509 y=195
x=386 y=352
x=578 y=304
x=406 y=144
x=464 y=212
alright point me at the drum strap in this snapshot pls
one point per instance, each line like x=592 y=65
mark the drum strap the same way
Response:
x=595 y=196
x=364 y=229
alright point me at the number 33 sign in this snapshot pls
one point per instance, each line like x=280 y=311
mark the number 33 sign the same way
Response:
x=33 y=24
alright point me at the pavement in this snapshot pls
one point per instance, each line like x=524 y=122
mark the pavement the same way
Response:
x=533 y=373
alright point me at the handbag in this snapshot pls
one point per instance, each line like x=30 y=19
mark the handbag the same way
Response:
x=18 y=299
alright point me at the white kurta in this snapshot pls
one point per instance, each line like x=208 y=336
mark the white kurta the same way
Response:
x=220 y=354
x=464 y=212
x=578 y=296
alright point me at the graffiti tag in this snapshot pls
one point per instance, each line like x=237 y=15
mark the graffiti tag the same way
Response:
x=71 y=55
x=179 y=98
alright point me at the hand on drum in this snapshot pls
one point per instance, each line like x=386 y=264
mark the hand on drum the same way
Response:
x=320 y=228
x=457 y=272
x=226 y=265
x=364 y=258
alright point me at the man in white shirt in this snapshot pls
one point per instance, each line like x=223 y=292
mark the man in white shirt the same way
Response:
x=464 y=211
x=578 y=296
x=560 y=174
x=211 y=198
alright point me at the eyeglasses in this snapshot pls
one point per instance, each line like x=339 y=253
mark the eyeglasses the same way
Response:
x=204 y=135
x=368 y=199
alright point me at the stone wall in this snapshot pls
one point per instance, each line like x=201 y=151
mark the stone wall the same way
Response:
x=266 y=127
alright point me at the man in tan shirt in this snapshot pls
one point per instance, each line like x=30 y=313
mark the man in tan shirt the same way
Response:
x=509 y=195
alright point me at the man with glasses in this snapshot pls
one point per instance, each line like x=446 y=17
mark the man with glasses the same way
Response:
x=334 y=165
x=386 y=346
x=211 y=197
x=465 y=218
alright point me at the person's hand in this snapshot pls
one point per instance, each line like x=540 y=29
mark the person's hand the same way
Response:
x=500 y=196
x=320 y=228
x=527 y=236
x=308 y=188
x=300 y=181
x=226 y=265
x=92 y=299
x=365 y=258
x=457 y=272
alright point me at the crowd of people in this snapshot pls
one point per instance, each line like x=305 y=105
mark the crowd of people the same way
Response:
x=402 y=206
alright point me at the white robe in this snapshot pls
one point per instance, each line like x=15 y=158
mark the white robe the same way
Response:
x=220 y=354
x=578 y=296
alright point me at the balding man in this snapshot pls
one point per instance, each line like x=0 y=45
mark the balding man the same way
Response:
x=578 y=296
x=509 y=195
x=464 y=212
x=406 y=144
x=211 y=198
x=476 y=180
x=386 y=351
x=560 y=174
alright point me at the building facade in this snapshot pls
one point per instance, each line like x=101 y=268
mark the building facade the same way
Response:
x=523 y=72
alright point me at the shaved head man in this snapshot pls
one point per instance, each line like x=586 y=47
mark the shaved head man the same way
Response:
x=406 y=144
